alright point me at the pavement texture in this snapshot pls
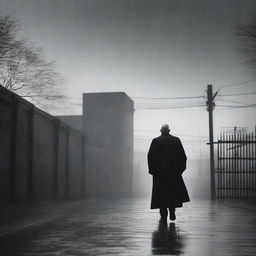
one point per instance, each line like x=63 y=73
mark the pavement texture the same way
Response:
x=128 y=227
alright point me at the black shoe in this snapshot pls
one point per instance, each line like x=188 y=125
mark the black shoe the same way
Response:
x=172 y=216
x=163 y=214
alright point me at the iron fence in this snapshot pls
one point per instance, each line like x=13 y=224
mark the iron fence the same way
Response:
x=235 y=175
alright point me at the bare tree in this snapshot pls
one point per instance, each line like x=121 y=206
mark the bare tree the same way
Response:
x=24 y=69
x=247 y=34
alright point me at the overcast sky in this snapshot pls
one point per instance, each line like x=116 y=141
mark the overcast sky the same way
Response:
x=146 y=49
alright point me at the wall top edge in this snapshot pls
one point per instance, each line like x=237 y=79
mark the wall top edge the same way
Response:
x=12 y=97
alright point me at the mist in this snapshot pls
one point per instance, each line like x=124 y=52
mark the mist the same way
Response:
x=150 y=49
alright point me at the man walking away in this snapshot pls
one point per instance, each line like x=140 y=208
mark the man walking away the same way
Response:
x=166 y=163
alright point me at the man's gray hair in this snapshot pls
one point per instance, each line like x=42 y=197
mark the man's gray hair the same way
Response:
x=165 y=128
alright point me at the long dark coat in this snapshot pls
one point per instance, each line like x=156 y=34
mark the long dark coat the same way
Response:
x=167 y=162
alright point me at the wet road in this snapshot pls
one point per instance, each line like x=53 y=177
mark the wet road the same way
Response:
x=128 y=227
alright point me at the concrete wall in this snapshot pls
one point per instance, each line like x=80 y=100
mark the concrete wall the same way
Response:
x=5 y=147
x=40 y=156
x=73 y=121
x=108 y=127
x=23 y=144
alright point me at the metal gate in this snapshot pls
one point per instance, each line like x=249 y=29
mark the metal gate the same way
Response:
x=235 y=175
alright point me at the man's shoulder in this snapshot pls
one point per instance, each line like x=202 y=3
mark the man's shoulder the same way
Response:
x=156 y=139
x=175 y=138
x=168 y=137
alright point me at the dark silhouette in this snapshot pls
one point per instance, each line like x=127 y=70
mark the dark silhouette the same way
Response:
x=167 y=162
x=167 y=240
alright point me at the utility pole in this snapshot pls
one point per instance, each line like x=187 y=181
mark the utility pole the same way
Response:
x=210 y=107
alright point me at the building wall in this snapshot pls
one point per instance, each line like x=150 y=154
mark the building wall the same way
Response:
x=73 y=121
x=75 y=175
x=43 y=159
x=22 y=151
x=108 y=127
x=40 y=156
x=5 y=147
x=63 y=154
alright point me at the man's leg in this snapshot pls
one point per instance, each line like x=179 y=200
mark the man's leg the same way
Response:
x=163 y=213
x=172 y=213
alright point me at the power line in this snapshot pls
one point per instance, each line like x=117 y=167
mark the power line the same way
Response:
x=228 y=107
x=231 y=101
x=175 y=107
x=144 y=106
x=157 y=98
x=168 y=98
x=166 y=102
x=232 y=106
x=161 y=105
x=237 y=94
x=237 y=84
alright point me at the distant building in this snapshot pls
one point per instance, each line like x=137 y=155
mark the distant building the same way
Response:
x=107 y=122
x=75 y=121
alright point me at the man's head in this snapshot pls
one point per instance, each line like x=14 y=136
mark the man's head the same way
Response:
x=165 y=129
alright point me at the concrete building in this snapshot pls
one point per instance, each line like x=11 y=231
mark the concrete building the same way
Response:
x=108 y=127
x=107 y=122
x=75 y=121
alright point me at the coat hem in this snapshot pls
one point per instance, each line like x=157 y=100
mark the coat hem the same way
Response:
x=169 y=206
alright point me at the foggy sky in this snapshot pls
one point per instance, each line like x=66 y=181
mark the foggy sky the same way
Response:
x=146 y=48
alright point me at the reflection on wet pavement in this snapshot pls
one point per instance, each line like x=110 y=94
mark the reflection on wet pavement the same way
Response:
x=129 y=227
x=167 y=240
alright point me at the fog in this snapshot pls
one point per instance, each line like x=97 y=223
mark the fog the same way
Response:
x=150 y=49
